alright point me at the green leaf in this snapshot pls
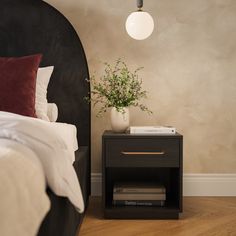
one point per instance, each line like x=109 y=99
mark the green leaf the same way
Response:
x=118 y=87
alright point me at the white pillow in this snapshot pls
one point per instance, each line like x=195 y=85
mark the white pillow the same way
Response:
x=52 y=112
x=42 y=81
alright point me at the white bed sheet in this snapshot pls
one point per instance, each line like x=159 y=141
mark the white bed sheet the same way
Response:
x=53 y=152
x=68 y=133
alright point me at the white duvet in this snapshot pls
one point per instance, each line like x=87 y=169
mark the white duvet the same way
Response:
x=23 y=200
x=31 y=151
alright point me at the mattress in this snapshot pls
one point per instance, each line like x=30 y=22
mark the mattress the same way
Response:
x=63 y=219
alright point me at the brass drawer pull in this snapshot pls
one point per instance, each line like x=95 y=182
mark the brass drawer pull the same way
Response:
x=143 y=153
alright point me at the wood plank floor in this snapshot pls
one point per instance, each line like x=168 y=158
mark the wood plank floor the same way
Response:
x=203 y=216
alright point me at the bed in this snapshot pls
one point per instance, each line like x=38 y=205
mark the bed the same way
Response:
x=32 y=26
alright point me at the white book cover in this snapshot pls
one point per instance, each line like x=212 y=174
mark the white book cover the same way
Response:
x=152 y=130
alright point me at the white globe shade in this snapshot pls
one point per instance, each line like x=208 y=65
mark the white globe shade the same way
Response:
x=139 y=25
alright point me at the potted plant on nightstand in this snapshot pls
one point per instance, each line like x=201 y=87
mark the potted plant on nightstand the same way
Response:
x=118 y=89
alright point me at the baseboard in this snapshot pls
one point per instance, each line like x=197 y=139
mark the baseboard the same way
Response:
x=96 y=184
x=209 y=185
x=193 y=184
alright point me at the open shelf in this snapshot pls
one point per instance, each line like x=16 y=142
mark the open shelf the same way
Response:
x=169 y=177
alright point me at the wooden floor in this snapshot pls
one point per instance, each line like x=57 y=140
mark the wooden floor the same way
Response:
x=205 y=216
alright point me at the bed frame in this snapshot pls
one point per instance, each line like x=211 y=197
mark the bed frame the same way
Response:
x=32 y=26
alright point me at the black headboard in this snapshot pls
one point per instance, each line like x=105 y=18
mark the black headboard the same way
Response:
x=33 y=26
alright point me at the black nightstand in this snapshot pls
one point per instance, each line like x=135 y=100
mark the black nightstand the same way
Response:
x=143 y=158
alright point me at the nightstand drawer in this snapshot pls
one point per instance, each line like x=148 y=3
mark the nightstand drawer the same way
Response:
x=138 y=152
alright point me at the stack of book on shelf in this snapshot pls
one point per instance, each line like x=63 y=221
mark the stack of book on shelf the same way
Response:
x=152 y=130
x=139 y=194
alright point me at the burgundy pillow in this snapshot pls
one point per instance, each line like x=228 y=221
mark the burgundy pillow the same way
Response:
x=18 y=84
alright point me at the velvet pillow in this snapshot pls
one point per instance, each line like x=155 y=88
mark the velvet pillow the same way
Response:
x=18 y=84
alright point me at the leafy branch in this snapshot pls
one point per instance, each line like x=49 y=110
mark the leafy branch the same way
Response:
x=118 y=87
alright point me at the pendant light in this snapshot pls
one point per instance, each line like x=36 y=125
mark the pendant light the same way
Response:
x=139 y=24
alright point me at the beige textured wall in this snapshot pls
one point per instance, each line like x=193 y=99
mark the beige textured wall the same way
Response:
x=190 y=71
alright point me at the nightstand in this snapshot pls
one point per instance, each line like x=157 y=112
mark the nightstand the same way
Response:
x=144 y=158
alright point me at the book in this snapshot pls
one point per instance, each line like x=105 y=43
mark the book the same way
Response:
x=138 y=203
x=138 y=187
x=139 y=196
x=152 y=130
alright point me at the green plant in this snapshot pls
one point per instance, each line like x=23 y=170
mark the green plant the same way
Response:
x=118 y=87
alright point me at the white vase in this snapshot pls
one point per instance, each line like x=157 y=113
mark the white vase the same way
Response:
x=119 y=119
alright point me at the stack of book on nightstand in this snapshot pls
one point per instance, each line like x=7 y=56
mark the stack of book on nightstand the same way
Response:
x=152 y=130
x=139 y=194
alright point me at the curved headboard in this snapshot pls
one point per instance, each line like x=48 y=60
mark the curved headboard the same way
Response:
x=33 y=26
